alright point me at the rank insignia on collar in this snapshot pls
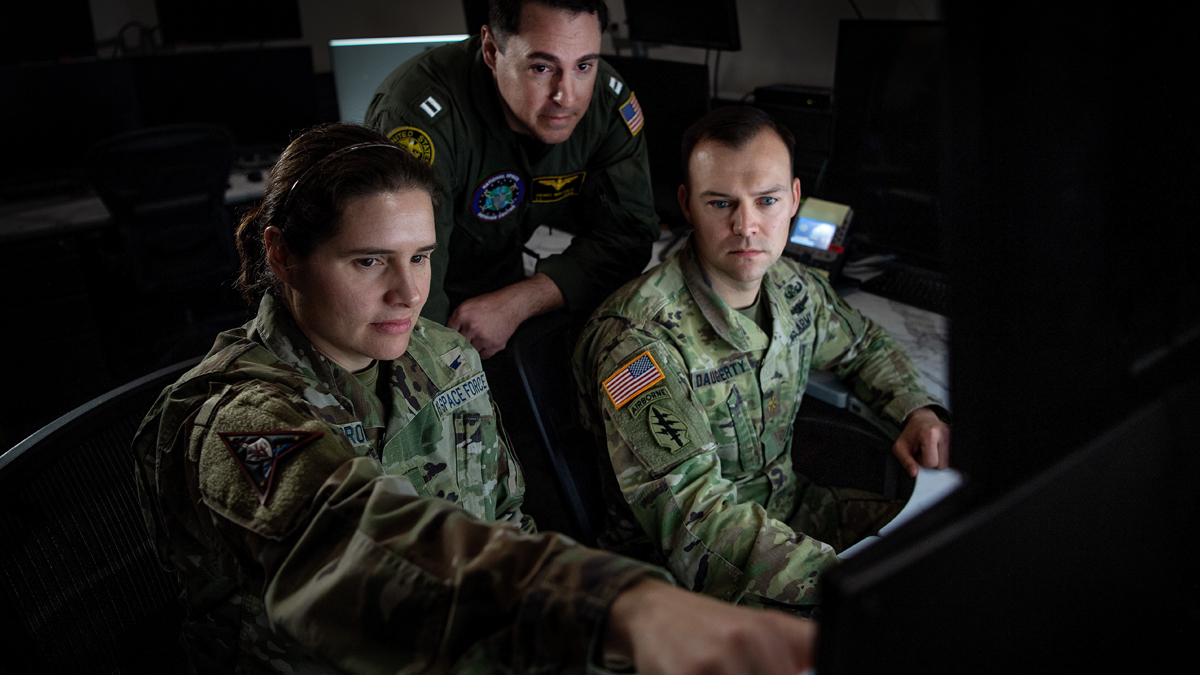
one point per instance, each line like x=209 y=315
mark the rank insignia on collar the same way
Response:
x=258 y=454
x=616 y=85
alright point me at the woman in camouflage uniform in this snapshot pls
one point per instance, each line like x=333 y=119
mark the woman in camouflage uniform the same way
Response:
x=332 y=481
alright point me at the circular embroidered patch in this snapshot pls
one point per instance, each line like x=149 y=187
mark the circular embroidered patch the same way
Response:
x=498 y=196
x=413 y=140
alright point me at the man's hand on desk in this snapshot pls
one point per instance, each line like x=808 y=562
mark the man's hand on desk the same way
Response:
x=925 y=439
x=489 y=320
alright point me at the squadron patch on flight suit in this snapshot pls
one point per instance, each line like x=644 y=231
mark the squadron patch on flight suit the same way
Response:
x=667 y=429
x=257 y=454
x=415 y=141
x=554 y=188
x=631 y=112
x=498 y=196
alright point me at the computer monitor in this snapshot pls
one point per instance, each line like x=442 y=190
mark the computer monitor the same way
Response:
x=885 y=151
x=53 y=112
x=711 y=24
x=206 y=21
x=361 y=65
x=673 y=96
x=1083 y=568
x=263 y=96
x=46 y=31
x=1075 y=364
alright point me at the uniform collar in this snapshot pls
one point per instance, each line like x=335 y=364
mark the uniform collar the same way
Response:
x=485 y=98
x=734 y=328
x=275 y=329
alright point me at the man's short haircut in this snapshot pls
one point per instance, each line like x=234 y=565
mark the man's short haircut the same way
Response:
x=734 y=126
x=504 y=16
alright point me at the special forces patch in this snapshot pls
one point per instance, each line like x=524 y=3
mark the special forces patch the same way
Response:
x=413 y=140
x=667 y=429
x=548 y=189
x=258 y=454
x=498 y=196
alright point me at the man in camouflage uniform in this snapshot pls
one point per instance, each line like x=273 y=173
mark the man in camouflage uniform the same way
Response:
x=694 y=374
x=526 y=126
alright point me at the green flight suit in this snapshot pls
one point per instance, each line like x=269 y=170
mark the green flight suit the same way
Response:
x=315 y=525
x=443 y=106
x=696 y=406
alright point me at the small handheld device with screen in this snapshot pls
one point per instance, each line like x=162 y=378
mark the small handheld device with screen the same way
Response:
x=818 y=234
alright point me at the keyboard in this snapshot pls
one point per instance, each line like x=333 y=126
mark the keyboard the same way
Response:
x=914 y=286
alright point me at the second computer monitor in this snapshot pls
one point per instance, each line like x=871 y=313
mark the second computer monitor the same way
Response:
x=360 y=65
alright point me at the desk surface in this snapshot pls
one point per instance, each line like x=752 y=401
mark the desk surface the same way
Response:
x=58 y=216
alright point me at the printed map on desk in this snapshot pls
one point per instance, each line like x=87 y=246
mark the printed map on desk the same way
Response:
x=924 y=335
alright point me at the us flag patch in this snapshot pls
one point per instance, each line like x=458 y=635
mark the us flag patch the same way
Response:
x=632 y=379
x=632 y=114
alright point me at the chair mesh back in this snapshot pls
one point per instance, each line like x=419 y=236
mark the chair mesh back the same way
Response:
x=76 y=567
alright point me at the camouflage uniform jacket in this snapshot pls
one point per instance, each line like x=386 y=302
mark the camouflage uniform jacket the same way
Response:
x=702 y=457
x=443 y=106
x=299 y=510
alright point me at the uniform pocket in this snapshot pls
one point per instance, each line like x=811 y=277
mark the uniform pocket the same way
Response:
x=750 y=454
x=477 y=455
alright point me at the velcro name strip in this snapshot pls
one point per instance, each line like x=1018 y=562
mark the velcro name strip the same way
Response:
x=464 y=393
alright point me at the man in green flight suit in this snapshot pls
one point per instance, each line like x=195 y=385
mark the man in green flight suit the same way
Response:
x=693 y=375
x=526 y=126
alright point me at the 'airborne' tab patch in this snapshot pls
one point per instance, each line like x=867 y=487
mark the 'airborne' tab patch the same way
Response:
x=257 y=454
x=631 y=112
x=632 y=379
x=464 y=393
x=554 y=188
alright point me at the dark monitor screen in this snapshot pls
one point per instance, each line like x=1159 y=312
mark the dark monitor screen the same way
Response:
x=672 y=96
x=207 y=21
x=884 y=155
x=53 y=113
x=1041 y=578
x=263 y=96
x=712 y=24
x=47 y=30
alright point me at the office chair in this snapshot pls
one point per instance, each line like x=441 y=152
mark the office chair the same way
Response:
x=81 y=587
x=165 y=188
x=541 y=350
